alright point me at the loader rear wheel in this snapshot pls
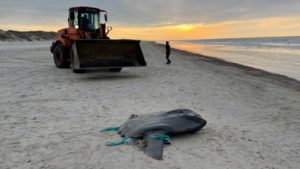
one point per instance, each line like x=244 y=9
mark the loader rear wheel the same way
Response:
x=115 y=69
x=60 y=57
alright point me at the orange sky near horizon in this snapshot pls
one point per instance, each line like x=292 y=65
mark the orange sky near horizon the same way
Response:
x=266 y=27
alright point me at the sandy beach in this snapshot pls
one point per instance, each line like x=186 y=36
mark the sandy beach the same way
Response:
x=50 y=118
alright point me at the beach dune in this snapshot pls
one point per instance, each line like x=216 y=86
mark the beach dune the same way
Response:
x=50 y=118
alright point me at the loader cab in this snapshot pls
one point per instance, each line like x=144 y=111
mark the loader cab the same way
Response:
x=86 y=19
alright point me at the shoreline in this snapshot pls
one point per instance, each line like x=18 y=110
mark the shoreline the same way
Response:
x=282 y=79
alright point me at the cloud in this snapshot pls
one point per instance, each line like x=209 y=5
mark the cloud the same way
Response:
x=164 y=19
x=149 y=12
x=167 y=12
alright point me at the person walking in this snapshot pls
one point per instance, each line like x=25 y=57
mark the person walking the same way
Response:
x=168 y=52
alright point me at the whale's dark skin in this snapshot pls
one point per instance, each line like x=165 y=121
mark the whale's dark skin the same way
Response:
x=179 y=121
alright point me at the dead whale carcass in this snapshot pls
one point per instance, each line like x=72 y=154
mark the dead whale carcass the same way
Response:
x=155 y=129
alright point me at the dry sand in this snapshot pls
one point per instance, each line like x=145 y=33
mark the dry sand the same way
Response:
x=50 y=118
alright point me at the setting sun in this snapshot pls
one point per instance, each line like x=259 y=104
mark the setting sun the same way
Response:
x=185 y=27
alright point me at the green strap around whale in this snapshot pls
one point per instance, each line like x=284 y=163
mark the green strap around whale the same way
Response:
x=110 y=129
x=162 y=137
x=116 y=143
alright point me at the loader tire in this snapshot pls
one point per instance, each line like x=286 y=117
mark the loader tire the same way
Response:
x=60 y=57
x=115 y=69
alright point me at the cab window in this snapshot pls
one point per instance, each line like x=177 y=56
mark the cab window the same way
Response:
x=73 y=19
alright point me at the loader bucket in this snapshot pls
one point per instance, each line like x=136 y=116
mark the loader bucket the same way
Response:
x=106 y=53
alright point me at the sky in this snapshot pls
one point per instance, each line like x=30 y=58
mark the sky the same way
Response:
x=163 y=19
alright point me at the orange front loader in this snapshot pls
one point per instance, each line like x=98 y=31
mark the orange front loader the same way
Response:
x=85 y=44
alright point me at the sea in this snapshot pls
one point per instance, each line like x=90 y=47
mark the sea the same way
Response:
x=279 y=55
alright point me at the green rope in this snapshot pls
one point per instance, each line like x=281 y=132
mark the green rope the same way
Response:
x=162 y=137
x=116 y=143
x=110 y=129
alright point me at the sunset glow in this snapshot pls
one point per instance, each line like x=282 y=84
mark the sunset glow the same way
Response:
x=185 y=27
x=149 y=20
x=230 y=29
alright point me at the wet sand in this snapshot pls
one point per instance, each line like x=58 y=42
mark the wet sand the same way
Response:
x=50 y=117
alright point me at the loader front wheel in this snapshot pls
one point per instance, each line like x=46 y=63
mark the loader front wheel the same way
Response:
x=60 y=57
x=115 y=69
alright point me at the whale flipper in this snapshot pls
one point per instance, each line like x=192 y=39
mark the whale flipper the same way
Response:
x=155 y=144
